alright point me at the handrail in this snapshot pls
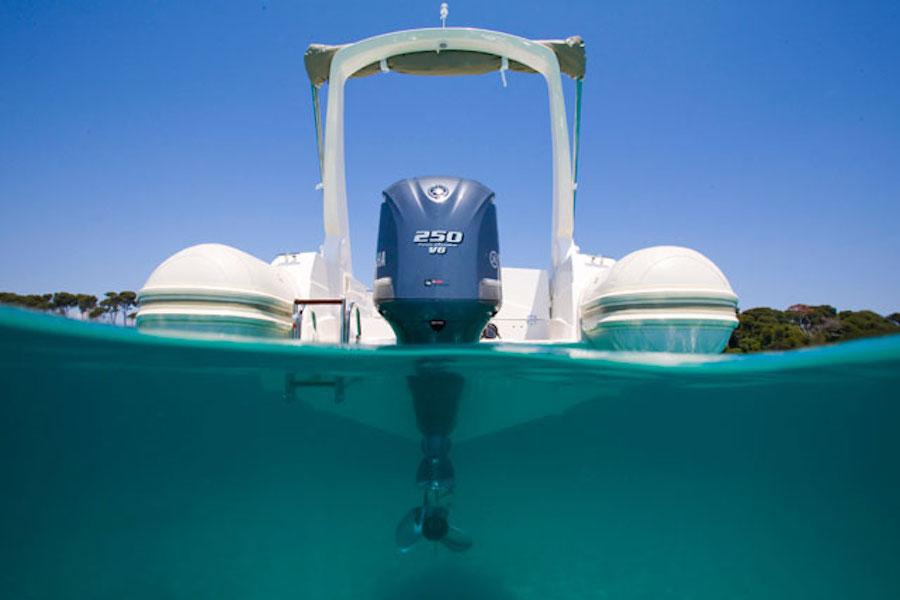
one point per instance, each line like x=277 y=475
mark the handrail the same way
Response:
x=346 y=327
x=301 y=304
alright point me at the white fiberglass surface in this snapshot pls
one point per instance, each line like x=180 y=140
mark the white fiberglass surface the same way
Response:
x=365 y=52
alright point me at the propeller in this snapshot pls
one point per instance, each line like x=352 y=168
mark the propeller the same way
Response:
x=430 y=523
x=457 y=540
x=409 y=529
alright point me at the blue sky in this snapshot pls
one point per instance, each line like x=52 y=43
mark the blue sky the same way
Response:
x=765 y=135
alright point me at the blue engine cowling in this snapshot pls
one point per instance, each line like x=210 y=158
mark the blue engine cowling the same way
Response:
x=437 y=267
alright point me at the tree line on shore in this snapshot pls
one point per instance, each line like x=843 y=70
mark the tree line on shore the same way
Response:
x=87 y=306
x=799 y=326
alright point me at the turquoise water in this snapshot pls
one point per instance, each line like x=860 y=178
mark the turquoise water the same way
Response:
x=136 y=466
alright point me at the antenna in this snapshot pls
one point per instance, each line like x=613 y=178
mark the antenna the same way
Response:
x=444 y=12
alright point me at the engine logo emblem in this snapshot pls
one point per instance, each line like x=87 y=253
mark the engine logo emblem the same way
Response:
x=438 y=193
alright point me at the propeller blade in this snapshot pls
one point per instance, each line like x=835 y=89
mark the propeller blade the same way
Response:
x=409 y=529
x=457 y=540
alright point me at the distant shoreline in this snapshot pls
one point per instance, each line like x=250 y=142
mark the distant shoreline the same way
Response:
x=799 y=326
x=80 y=306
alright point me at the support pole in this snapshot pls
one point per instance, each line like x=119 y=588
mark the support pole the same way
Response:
x=317 y=115
x=575 y=139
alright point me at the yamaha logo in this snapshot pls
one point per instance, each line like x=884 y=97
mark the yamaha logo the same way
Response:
x=438 y=193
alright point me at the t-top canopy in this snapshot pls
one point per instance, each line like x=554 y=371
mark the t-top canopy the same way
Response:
x=569 y=53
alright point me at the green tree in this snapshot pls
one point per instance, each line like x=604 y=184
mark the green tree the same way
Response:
x=766 y=329
x=127 y=301
x=864 y=323
x=32 y=301
x=801 y=325
x=86 y=303
x=38 y=301
x=97 y=312
x=111 y=304
x=64 y=301
x=10 y=298
x=820 y=323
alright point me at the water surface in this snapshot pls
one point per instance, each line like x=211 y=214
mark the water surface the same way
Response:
x=138 y=466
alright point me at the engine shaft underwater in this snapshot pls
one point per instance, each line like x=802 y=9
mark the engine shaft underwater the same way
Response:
x=436 y=395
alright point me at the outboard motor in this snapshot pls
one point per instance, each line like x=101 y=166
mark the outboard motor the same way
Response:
x=437 y=274
x=437 y=280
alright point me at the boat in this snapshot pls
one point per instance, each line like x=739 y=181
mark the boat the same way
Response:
x=438 y=274
x=438 y=277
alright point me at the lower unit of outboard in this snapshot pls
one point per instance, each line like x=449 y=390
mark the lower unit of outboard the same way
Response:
x=437 y=274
